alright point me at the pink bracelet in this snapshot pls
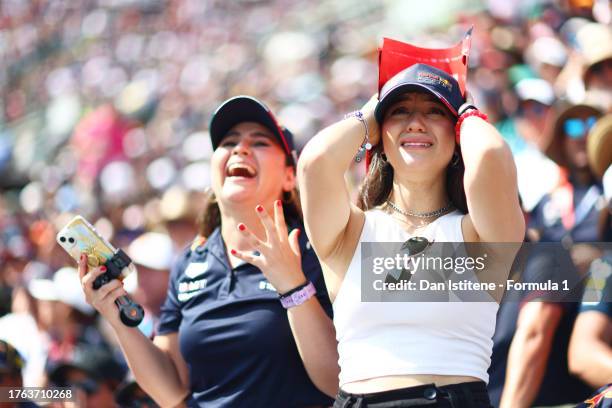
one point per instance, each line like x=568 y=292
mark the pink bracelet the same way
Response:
x=472 y=112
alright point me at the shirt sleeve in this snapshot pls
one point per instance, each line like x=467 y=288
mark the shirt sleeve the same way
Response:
x=170 y=313
x=595 y=299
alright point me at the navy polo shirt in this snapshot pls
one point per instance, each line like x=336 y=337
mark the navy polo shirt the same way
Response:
x=233 y=332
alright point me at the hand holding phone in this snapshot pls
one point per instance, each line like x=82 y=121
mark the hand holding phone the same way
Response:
x=78 y=237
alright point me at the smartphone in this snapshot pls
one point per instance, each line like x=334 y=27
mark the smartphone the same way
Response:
x=80 y=236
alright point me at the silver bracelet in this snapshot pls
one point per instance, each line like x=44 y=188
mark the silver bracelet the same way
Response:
x=365 y=145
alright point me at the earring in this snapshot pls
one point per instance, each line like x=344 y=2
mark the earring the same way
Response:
x=455 y=160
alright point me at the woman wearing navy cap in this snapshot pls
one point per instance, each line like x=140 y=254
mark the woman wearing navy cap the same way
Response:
x=225 y=338
x=439 y=172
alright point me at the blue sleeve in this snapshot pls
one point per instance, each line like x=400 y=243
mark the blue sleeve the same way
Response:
x=599 y=300
x=170 y=313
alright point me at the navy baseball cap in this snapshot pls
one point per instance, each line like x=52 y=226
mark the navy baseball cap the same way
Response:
x=245 y=108
x=420 y=77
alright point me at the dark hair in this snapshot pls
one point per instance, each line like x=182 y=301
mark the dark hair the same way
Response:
x=210 y=218
x=378 y=183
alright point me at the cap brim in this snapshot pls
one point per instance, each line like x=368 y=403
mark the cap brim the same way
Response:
x=400 y=89
x=243 y=109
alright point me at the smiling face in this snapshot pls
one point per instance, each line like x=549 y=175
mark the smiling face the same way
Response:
x=418 y=134
x=249 y=167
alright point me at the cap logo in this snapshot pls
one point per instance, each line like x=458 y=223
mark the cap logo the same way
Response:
x=434 y=79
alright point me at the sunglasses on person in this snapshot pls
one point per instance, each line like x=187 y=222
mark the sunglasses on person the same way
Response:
x=413 y=246
x=576 y=128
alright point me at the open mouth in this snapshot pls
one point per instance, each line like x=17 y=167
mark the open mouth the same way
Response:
x=241 y=170
x=416 y=144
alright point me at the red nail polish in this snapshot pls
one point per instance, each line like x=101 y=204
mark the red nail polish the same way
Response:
x=259 y=208
x=103 y=268
x=278 y=203
x=233 y=251
x=241 y=227
x=299 y=231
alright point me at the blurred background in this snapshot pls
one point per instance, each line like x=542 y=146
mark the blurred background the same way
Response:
x=105 y=105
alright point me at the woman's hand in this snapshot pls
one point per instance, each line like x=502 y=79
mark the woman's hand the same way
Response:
x=368 y=114
x=102 y=299
x=279 y=256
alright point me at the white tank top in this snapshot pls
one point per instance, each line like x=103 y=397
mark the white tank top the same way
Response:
x=402 y=338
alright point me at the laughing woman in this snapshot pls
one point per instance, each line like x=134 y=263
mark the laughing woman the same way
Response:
x=225 y=338
x=425 y=179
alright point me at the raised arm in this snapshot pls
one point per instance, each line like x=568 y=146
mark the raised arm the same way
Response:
x=158 y=367
x=321 y=171
x=490 y=184
x=279 y=260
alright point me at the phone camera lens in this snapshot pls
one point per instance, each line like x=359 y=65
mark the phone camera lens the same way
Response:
x=62 y=239
x=71 y=240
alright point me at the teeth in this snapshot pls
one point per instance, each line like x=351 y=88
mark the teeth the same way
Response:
x=419 y=144
x=241 y=166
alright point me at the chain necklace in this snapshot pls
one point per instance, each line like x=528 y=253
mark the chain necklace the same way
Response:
x=447 y=208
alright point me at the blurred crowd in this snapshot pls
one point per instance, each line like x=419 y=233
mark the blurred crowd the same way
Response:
x=105 y=107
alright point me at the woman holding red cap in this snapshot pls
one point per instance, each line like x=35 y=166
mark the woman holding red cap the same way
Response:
x=438 y=172
x=226 y=338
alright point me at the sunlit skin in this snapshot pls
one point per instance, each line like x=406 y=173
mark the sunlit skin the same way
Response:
x=418 y=137
x=251 y=151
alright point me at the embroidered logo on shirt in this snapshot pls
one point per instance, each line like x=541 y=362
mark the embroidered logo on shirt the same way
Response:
x=187 y=290
x=265 y=285
x=195 y=269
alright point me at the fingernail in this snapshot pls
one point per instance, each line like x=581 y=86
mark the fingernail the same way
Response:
x=299 y=231
x=83 y=257
x=233 y=251
x=241 y=227
x=259 y=208
x=278 y=203
x=103 y=268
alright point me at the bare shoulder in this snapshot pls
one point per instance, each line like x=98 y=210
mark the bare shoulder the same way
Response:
x=337 y=262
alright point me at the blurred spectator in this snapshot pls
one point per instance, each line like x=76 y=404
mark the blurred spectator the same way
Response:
x=531 y=338
x=71 y=320
x=526 y=133
x=570 y=212
x=92 y=372
x=153 y=253
x=599 y=150
x=590 y=352
x=11 y=366
x=595 y=41
x=102 y=105
x=130 y=395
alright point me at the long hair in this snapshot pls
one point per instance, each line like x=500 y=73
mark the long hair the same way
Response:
x=210 y=217
x=378 y=184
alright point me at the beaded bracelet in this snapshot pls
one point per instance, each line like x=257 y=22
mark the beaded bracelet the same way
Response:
x=365 y=145
x=473 y=112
